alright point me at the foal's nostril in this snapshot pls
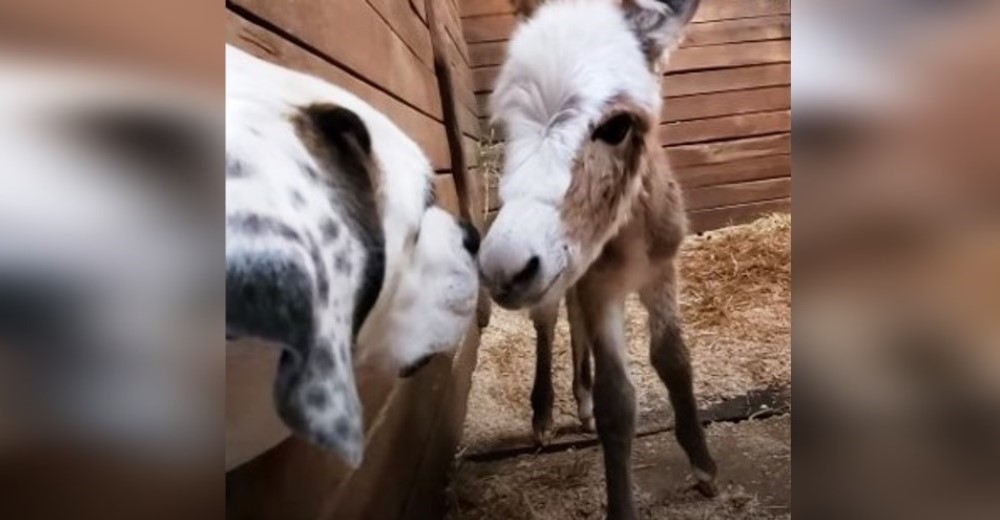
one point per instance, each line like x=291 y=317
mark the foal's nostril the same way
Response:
x=526 y=274
x=470 y=237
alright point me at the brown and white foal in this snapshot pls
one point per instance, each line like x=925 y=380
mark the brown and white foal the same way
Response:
x=591 y=207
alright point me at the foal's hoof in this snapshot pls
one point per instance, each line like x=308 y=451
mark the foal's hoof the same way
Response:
x=588 y=425
x=543 y=431
x=706 y=488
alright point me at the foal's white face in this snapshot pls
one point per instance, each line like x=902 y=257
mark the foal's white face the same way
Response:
x=578 y=95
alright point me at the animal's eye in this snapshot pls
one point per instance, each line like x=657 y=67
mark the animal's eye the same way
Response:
x=614 y=130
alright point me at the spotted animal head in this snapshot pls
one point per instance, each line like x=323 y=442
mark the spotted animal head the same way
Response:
x=579 y=99
x=334 y=249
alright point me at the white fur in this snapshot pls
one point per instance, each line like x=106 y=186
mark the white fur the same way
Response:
x=562 y=69
x=429 y=289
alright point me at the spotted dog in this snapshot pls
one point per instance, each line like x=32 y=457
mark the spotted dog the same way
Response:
x=334 y=249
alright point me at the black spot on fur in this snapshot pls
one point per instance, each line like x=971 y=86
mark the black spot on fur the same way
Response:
x=317 y=397
x=338 y=124
x=323 y=360
x=298 y=200
x=341 y=264
x=235 y=168
x=322 y=278
x=431 y=196
x=270 y=296
x=330 y=230
x=342 y=428
x=258 y=225
x=372 y=276
x=340 y=142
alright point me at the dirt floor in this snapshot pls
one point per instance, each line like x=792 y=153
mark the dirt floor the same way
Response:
x=736 y=305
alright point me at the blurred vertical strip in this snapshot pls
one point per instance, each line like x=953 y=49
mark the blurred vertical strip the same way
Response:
x=111 y=300
x=896 y=321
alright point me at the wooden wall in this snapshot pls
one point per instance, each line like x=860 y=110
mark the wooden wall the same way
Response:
x=384 y=51
x=726 y=121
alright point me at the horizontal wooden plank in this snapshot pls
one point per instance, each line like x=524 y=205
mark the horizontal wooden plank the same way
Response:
x=408 y=26
x=738 y=193
x=709 y=219
x=483 y=79
x=264 y=44
x=489 y=28
x=335 y=28
x=710 y=10
x=736 y=171
x=725 y=127
x=700 y=106
x=739 y=78
x=730 y=55
x=483 y=103
x=726 y=151
x=741 y=30
x=487 y=53
x=485 y=7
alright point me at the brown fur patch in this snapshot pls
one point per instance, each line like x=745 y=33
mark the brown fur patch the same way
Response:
x=525 y=8
x=346 y=148
x=339 y=142
x=597 y=201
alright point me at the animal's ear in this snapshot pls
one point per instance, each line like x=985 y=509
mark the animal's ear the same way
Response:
x=525 y=8
x=316 y=396
x=339 y=127
x=659 y=24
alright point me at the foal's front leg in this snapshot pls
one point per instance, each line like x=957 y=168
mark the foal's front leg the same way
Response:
x=614 y=394
x=544 y=319
x=669 y=356
x=583 y=376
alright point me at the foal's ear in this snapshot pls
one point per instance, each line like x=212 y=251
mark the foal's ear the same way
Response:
x=525 y=8
x=659 y=24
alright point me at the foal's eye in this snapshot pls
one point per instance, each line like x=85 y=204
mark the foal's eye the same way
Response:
x=614 y=130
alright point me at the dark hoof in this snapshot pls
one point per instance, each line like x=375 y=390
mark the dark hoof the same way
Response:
x=543 y=431
x=706 y=488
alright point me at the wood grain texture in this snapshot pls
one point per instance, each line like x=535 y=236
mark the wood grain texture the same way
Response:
x=261 y=42
x=725 y=127
x=408 y=25
x=736 y=193
x=706 y=220
x=730 y=55
x=700 y=106
x=722 y=80
x=727 y=151
x=735 y=171
x=740 y=30
x=337 y=29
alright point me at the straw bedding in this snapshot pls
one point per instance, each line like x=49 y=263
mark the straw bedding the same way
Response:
x=736 y=305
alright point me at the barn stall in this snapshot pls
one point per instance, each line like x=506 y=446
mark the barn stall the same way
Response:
x=455 y=440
